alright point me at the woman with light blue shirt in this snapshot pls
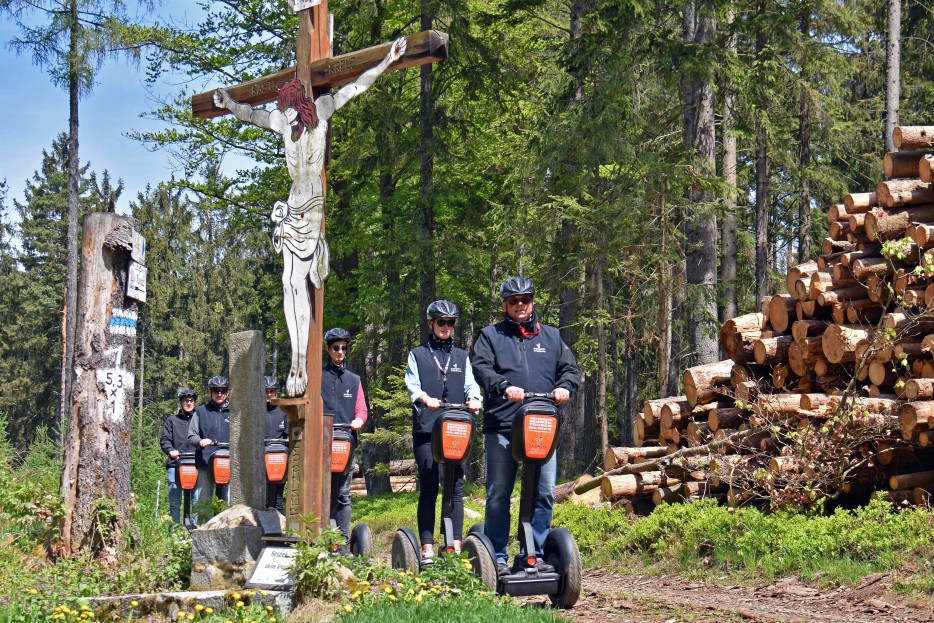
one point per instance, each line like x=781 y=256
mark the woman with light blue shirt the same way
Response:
x=438 y=372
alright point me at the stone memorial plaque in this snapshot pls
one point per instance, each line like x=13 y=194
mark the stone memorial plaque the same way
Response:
x=272 y=569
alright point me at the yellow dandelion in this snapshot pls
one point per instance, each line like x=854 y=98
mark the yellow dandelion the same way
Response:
x=209 y=610
x=364 y=583
x=467 y=564
x=272 y=619
x=134 y=603
x=392 y=598
x=402 y=574
x=236 y=595
x=388 y=589
x=33 y=591
x=419 y=599
x=199 y=607
x=268 y=608
x=239 y=604
x=191 y=617
x=411 y=592
x=250 y=593
x=263 y=593
x=348 y=608
x=74 y=613
x=410 y=573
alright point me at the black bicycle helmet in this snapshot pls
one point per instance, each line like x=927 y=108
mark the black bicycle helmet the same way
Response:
x=335 y=335
x=272 y=382
x=514 y=286
x=442 y=309
x=218 y=382
x=187 y=392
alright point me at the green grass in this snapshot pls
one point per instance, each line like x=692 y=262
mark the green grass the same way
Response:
x=453 y=611
x=840 y=547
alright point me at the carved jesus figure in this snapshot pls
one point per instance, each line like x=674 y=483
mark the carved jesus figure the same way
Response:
x=303 y=124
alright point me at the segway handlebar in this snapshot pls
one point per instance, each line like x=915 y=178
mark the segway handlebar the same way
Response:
x=546 y=395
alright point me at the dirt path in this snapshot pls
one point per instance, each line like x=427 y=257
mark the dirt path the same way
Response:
x=619 y=598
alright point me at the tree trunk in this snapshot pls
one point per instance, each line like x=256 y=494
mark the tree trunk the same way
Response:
x=728 y=227
x=699 y=28
x=893 y=53
x=804 y=151
x=762 y=189
x=95 y=483
x=426 y=216
x=70 y=321
x=602 y=414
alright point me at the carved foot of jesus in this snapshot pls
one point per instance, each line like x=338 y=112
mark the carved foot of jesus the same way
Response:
x=297 y=382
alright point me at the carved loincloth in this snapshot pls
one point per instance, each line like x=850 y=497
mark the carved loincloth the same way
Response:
x=301 y=238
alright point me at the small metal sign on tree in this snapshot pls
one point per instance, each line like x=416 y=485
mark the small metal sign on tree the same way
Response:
x=303 y=109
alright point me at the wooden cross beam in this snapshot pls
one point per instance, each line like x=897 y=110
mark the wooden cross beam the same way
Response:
x=425 y=47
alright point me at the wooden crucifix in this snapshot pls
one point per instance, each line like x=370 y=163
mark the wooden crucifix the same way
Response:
x=299 y=234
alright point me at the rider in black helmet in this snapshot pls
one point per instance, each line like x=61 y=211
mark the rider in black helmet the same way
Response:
x=277 y=427
x=342 y=394
x=517 y=355
x=437 y=372
x=174 y=441
x=209 y=425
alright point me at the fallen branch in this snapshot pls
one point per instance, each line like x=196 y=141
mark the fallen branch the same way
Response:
x=662 y=462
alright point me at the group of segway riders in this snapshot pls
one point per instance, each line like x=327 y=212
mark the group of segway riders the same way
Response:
x=518 y=373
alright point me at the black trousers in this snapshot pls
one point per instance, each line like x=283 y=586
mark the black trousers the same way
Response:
x=429 y=479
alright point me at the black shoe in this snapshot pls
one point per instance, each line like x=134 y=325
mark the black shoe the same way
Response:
x=343 y=550
x=502 y=569
x=428 y=559
x=543 y=567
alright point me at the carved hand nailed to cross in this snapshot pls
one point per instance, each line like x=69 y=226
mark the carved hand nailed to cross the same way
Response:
x=298 y=234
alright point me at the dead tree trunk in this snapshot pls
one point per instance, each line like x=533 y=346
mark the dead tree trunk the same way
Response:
x=95 y=483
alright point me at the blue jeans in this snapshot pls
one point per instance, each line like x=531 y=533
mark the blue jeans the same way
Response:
x=501 y=472
x=175 y=496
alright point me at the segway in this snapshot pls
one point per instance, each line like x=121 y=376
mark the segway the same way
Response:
x=186 y=478
x=275 y=458
x=220 y=468
x=343 y=445
x=534 y=437
x=451 y=441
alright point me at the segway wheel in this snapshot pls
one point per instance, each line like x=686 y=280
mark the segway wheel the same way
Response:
x=561 y=551
x=404 y=555
x=484 y=565
x=361 y=541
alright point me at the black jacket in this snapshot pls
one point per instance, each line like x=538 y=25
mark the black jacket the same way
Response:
x=533 y=358
x=277 y=423
x=210 y=421
x=175 y=436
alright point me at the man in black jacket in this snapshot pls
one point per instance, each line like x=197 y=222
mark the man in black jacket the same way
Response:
x=277 y=427
x=510 y=358
x=174 y=441
x=210 y=425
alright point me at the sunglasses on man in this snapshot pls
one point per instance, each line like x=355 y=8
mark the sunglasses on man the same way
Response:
x=519 y=300
x=442 y=322
x=339 y=349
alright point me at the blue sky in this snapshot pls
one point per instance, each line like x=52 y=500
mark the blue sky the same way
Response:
x=35 y=112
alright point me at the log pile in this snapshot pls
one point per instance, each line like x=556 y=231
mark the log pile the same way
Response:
x=852 y=326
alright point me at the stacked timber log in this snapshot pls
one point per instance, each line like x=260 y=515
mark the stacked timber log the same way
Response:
x=847 y=353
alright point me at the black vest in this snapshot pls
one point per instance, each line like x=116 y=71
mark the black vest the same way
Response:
x=433 y=382
x=339 y=388
x=213 y=424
